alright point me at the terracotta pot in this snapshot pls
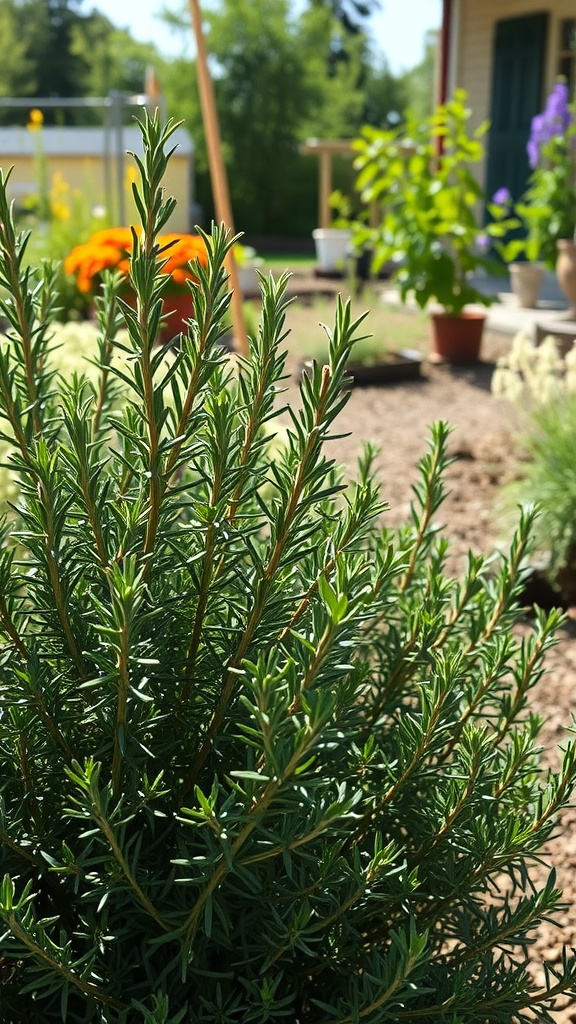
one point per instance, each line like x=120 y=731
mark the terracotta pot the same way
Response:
x=525 y=279
x=456 y=338
x=566 y=270
x=178 y=307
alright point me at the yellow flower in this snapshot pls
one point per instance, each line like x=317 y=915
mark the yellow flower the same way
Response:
x=131 y=176
x=59 y=211
x=36 y=120
x=59 y=184
x=60 y=198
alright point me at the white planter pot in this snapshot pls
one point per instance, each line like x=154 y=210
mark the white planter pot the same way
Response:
x=248 y=280
x=525 y=279
x=332 y=246
x=566 y=270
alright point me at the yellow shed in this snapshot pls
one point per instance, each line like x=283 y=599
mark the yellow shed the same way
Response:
x=97 y=163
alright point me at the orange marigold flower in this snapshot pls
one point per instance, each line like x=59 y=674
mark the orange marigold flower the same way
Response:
x=112 y=247
x=180 y=276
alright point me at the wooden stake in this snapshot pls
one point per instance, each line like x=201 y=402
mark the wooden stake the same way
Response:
x=218 y=171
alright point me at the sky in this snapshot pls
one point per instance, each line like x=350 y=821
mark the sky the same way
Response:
x=398 y=30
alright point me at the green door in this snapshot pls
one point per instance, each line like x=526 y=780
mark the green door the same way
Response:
x=517 y=80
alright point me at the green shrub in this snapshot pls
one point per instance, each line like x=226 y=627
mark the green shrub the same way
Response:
x=261 y=758
x=547 y=478
x=428 y=229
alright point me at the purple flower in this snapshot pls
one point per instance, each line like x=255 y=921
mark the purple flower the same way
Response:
x=556 y=109
x=483 y=242
x=502 y=196
x=554 y=121
x=539 y=134
x=533 y=150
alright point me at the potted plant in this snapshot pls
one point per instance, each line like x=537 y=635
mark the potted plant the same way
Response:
x=520 y=232
x=334 y=244
x=112 y=249
x=429 y=227
x=552 y=184
x=247 y=265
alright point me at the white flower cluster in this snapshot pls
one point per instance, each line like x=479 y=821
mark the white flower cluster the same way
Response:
x=73 y=349
x=534 y=373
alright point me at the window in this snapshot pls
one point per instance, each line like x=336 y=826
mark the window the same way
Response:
x=567 y=58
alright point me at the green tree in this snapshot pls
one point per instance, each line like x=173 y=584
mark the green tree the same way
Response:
x=59 y=71
x=17 y=68
x=275 y=87
x=35 y=50
x=348 y=20
x=111 y=58
x=419 y=82
x=50 y=48
x=351 y=13
x=262 y=89
x=336 y=89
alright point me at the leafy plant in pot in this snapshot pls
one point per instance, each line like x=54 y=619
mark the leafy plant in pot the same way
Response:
x=262 y=759
x=552 y=183
x=248 y=263
x=429 y=226
x=519 y=230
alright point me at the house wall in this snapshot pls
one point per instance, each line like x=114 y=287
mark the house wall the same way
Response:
x=86 y=174
x=471 y=52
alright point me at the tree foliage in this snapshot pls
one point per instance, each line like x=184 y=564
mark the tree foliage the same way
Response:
x=50 y=48
x=419 y=82
x=17 y=68
x=262 y=89
x=351 y=14
x=275 y=86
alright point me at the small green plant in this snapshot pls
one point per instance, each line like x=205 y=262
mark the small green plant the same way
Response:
x=261 y=758
x=547 y=478
x=368 y=350
x=519 y=229
x=385 y=328
x=430 y=203
x=541 y=382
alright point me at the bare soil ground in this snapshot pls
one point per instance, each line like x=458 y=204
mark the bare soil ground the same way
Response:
x=397 y=418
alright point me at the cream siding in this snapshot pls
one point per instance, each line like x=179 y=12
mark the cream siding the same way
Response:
x=472 y=52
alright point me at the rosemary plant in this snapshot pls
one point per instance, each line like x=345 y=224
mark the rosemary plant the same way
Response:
x=262 y=759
